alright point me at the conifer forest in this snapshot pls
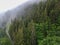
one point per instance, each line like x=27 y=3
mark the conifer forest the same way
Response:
x=38 y=25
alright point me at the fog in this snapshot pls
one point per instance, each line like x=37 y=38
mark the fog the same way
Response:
x=9 y=13
x=11 y=4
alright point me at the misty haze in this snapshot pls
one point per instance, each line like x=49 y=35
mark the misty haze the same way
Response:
x=29 y=22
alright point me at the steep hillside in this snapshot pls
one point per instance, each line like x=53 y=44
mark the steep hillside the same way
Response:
x=32 y=24
x=39 y=25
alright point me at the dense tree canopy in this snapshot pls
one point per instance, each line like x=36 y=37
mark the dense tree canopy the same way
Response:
x=40 y=25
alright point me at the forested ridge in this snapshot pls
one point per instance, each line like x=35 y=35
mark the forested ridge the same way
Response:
x=40 y=25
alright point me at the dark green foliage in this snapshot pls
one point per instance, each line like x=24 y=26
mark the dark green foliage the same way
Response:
x=39 y=26
x=4 y=40
x=22 y=32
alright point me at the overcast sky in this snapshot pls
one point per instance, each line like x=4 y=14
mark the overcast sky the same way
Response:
x=10 y=4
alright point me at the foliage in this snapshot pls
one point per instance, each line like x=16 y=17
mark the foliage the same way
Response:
x=38 y=26
x=4 y=40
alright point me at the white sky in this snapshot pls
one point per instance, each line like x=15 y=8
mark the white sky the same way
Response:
x=10 y=4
